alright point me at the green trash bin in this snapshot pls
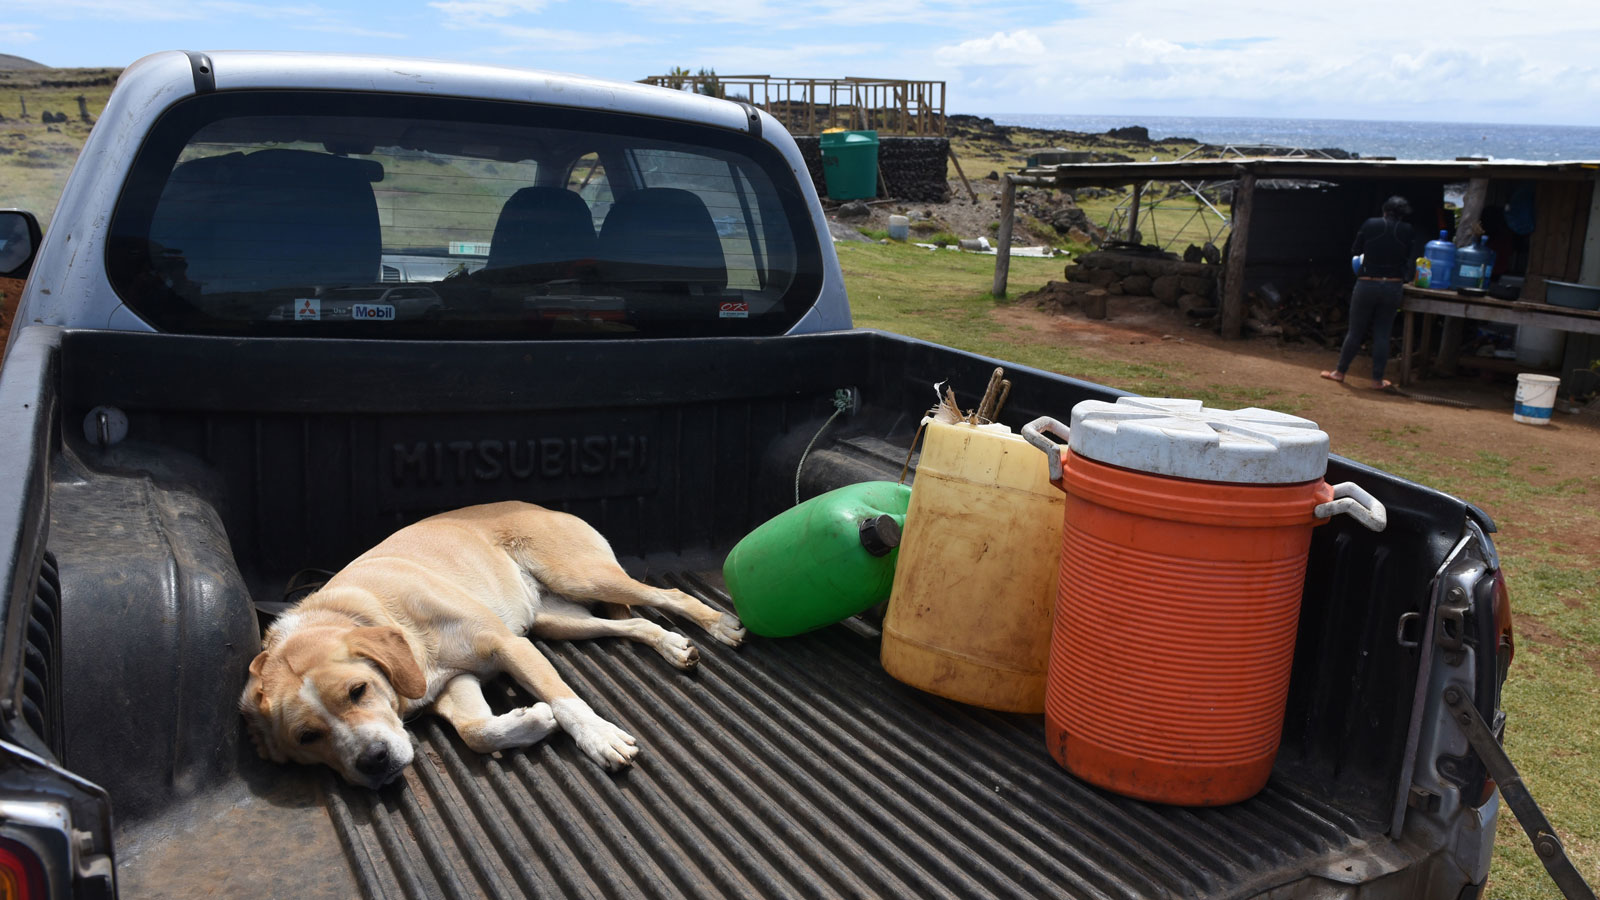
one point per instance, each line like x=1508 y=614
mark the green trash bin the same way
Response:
x=850 y=164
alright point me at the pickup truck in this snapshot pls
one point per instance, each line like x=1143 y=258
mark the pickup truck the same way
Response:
x=635 y=314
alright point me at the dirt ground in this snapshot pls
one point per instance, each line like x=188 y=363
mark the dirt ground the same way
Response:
x=1362 y=424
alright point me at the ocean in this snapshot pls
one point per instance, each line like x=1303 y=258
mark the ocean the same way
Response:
x=1403 y=140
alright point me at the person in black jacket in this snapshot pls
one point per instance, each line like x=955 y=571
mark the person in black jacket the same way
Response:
x=1387 y=247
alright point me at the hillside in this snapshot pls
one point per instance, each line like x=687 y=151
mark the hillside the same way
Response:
x=35 y=154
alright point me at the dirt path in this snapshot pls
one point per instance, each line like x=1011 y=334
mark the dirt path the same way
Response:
x=1538 y=482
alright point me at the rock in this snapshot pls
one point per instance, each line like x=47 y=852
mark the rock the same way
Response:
x=1136 y=133
x=855 y=209
x=843 y=232
x=1137 y=285
x=1077 y=274
x=1101 y=277
x=1079 y=236
x=1189 y=303
x=1167 y=289
x=992 y=176
x=1195 y=284
x=1192 y=254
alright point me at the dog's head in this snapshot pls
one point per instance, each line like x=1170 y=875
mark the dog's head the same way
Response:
x=331 y=694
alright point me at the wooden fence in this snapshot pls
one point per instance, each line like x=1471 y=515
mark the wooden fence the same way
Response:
x=813 y=105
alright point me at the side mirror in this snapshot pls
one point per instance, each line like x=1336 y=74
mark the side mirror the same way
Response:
x=19 y=242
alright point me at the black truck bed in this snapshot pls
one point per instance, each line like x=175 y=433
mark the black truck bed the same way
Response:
x=785 y=768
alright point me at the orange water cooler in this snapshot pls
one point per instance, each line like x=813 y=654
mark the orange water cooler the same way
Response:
x=1183 y=556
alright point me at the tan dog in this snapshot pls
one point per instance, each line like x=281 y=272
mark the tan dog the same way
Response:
x=421 y=619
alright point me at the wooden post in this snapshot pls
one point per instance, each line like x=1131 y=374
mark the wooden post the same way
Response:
x=1133 y=212
x=1471 y=211
x=970 y=192
x=1002 y=249
x=1238 y=251
x=1405 y=348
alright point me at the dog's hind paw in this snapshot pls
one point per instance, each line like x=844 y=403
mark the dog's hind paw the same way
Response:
x=727 y=629
x=678 y=651
x=521 y=727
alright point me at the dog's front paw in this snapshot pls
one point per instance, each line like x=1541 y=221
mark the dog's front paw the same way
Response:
x=678 y=651
x=727 y=629
x=600 y=740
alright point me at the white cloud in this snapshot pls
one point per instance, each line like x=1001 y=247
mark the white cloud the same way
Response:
x=17 y=33
x=1162 y=57
x=558 y=41
x=797 y=60
x=478 y=10
x=1016 y=48
x=162 y=11
x=351 y=30
x=779 y=14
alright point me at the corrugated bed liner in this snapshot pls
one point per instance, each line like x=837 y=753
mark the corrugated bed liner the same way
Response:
x=797 y=768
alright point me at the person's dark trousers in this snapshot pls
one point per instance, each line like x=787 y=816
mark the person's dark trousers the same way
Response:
x=1373 y=305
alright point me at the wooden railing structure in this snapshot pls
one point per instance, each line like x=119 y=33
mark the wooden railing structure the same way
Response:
x=889 y=106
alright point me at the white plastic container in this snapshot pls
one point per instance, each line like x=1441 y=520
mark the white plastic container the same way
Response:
x=1540 y=348
x=899 y=228
x=1536 y=397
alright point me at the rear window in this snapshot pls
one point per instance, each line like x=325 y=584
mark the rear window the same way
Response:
x=328 y=214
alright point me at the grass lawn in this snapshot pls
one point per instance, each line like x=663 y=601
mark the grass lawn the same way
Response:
x=1549 y=517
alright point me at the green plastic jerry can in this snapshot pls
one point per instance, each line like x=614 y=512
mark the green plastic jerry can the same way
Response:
x=820 y=562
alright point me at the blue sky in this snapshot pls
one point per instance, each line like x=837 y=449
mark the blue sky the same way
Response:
x=1467 y=61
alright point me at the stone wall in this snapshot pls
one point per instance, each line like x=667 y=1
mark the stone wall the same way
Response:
x=1189 y=286
x=913 y=168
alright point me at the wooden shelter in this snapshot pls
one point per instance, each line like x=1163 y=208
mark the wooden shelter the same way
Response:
x=1564 y=244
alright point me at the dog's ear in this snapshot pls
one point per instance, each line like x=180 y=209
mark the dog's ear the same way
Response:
x=256 y=707
x=387 y=646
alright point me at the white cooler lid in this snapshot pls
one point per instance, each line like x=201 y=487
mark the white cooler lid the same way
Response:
x=1185 y=439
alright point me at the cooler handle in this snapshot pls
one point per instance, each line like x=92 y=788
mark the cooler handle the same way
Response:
x=1052 y=450
x=1349 y=498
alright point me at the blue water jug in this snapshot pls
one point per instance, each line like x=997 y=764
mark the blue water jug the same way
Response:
x=1472 y=265
x=1441 y=256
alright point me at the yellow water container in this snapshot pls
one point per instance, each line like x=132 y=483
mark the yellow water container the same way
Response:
x=974 y=590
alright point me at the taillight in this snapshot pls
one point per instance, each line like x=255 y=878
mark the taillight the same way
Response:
x=1502 y=623
x=1505 y=649
x=21 y=875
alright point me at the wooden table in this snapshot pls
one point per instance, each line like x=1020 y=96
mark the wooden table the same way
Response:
x=1462 y=306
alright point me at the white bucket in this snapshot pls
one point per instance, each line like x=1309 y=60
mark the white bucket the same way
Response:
x=1536 y=396
x=899 y=227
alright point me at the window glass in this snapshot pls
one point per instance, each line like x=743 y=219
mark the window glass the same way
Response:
x=588 y=180
x=326 y=213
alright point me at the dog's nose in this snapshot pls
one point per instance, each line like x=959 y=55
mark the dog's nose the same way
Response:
x=374 y=760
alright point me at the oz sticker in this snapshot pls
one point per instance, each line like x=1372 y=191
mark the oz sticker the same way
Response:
x=734 y=309
x=308 y=309
x=372 y=312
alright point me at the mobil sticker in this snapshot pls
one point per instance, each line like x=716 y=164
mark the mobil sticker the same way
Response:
x=734 y=309
x=372 y=312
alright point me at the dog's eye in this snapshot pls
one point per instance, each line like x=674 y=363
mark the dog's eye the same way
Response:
x=358 y=691
x=309 y=737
